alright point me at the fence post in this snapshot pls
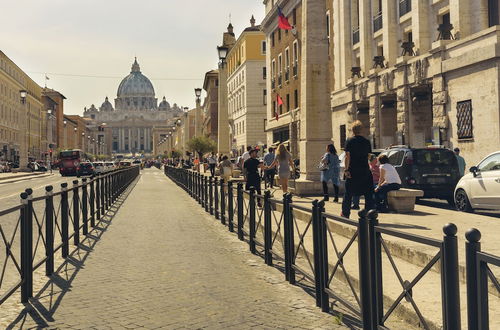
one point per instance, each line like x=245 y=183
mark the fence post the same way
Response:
x=26 y=242
x=230 y=206
x=109 y=190
x=364 y=272
x=239 y=201
x=472 y=247
x=375 y=248
x=49 y=230
x=323 y=254
x=268 y=234
x=222 y=202
x=317 y=254
x=85 y=218
x=211 y=196
x=288 y=238
x=207 y=208
x=449 y=266
x=64 y=220
x=92 y=203
x=217 y=199
x=251 y=221
x=98 y=197
x=103 y=195
x=76 y=214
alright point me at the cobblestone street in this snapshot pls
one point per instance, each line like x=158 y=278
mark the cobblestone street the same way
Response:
x=162 y=262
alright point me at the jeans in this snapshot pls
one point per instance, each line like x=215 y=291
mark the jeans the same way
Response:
x=381 y=194
x=212 y=169
x=325 y=190
x=347 y=201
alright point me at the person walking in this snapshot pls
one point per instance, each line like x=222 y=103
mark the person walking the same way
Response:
x=212 y=163
x=461 y=162
x=251 y=173
x=358 y=178
x=283 y=162
x=389 y=180
x=374 y=168
x=269 y=173
x=331 y=160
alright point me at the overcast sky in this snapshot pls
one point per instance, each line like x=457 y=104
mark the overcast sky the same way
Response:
x=174 y=41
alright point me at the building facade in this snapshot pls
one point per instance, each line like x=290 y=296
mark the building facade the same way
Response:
x=210 y=105
x=418 y=73
x=135 y=114
x=21 y=120
x=246 y=85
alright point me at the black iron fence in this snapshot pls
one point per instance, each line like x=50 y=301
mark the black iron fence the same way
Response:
x=31 y=233
x=271 y=228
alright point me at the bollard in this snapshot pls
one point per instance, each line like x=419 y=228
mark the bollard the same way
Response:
x=92 y=203
x=76 y=214
x=239 y=201
x=222 y=203
x=449 y=275
x=49 y=230
x=230 y=206
x=251 y=221
x=211 y=196
x=26 y=242
x=364 y=272
x=472 y=247
x=64 y=220
x=375 y=248
x=268 y=234
x=85 y=219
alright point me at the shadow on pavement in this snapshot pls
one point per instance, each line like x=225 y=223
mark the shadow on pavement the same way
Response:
x=44 y=304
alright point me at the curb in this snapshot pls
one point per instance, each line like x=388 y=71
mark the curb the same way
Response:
x=23 y=178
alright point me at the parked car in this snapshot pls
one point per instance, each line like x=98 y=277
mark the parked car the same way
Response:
x=99 y=167
x=434 y=170
x=480 y=189
x=110 y=166
x=85 y=168
x=125 y=163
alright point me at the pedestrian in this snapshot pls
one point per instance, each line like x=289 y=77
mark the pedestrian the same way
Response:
x=245 y=157
x=226 y=170
x=331 y=172
x=270 y=172
x=389 y=180
x=284 y=162
x=197 y=164
x=461 y=162
x=374 y=168
x=251 y=172
x=212 y=163
x=358 y=178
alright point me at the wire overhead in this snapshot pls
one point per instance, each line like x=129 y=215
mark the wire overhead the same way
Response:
x=106 y=77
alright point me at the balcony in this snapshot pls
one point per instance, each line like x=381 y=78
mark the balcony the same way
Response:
x=295 y=69
x=377 y=22
x=287 y=74
x=404 y=7
x=355 y=36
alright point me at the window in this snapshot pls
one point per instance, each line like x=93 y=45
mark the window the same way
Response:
x=491 y=163
x=279 y=34
x=464 y=120
x=272 y=39
x=296 y=98
x=274 y=109
x=263 y=47
x=328 y=27
x=343 y=136
x=273 y=68
x=493 y=12
x=287 y=102
x=264 y=95
x=294 y=16
x=396 y=157
x=264 y=73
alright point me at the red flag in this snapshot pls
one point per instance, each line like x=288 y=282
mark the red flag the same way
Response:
x=283 y=21
x=279 y=102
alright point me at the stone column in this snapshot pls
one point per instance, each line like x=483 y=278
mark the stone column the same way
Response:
x=365 y=35
x=315 y=108
x=439 y=116
x=461 y=12
x=120 y=143
x=223 y=121
x=422 y=33
x=390 y=30
x=343 y=42
x=403 y=115
x=375 y=120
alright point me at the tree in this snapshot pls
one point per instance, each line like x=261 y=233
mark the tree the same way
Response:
x=175 y=154
x=202 y=145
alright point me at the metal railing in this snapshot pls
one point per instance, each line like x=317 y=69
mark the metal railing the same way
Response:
x=31 y=233
x=283 y=232
x=355 y=36
x=377 y=22
x=404 y=7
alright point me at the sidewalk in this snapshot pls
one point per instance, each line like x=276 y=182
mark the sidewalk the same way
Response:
x=18 y=176
x=162 y=262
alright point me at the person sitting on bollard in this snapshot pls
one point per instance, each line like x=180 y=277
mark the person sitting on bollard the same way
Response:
x=251 y=173
x=389 y=180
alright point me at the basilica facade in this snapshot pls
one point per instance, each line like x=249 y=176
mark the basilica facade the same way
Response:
x=127 y=128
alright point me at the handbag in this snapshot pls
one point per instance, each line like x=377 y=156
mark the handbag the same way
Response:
x=323 y=166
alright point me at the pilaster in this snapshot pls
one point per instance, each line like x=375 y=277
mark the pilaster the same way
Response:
x=374 y=114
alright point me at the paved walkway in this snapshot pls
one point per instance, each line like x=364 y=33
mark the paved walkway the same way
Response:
x=162 y=262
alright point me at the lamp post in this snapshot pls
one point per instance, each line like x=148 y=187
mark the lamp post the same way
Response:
x=24 y=154
x=223 y=116
x=65 y=146
x=76 y=137
x=50 y=138
x=83 y=142
x=197 y=116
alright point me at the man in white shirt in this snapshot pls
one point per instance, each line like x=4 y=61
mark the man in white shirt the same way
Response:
x=245 y=157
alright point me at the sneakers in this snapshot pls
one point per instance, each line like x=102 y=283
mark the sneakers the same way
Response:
x=326 y=198
x=336 y=200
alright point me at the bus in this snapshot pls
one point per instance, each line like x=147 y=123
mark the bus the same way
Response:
x=69 y=161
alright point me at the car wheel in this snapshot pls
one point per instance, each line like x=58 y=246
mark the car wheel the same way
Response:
x=462 y=203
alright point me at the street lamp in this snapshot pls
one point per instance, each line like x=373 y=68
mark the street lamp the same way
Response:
x=222 y=52
x=23 y=95
x=197 y=92
x=223 y=144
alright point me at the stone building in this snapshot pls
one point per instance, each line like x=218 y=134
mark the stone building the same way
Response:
x=284 y=76
x=210 y=105
x=418 y=73
x=135 y=114
x=246 y=85
x=20 y=119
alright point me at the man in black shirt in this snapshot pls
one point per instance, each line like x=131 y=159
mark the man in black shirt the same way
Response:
x=358 y=177
x=251 y=171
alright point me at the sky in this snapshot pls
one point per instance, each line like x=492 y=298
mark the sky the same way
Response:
x=87 y=47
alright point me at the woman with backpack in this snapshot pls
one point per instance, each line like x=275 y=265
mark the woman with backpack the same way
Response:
x=330 y=171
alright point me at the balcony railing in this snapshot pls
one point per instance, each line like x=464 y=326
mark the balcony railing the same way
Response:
x=404 y=7
x=377 y=22
x=287 y=74
x=355 y=36
x=295 y=69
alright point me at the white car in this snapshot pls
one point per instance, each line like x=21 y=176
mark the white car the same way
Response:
x=110 y=166
x=99 y=167
x=480 y=189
